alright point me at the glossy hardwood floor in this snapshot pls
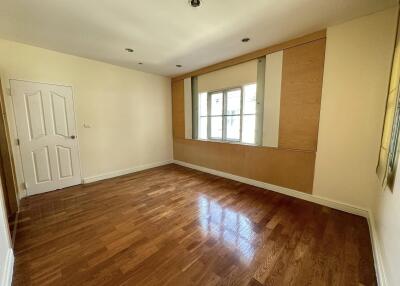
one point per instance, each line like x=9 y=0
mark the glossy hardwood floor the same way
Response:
x=176 y=226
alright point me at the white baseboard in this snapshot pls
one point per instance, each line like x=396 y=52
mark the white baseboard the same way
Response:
x=124 y=172
x=7 y=274
x=376 y=250
x=286 y=191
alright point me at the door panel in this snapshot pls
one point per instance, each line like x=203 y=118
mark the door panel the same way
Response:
x=41 y=164
x=46 y=128
x=64 y=161
x=60 y=119
x=34 y=113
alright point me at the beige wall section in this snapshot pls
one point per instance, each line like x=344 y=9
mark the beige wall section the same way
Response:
x=129 y=111
x=358 y=57
x=386 y=210
x=386 y=213
x=234 y=76
x=357 y=69
x=272 y=98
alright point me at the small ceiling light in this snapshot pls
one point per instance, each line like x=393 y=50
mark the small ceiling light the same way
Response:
x=178 y=66
x=129 y=50
x=245 y=40
x=140 y=63
x=194 y=3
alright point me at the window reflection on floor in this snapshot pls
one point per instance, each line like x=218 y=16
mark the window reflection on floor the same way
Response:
x=228 y=226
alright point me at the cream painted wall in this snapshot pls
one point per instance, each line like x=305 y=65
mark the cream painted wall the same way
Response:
x=386 y=212
x=357 y=67
x=129 y=111
x=356 y=77
x=5 y=244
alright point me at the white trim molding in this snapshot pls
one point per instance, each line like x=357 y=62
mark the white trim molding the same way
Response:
x=286 y=191
x=118 y=173
x=376 y=249
x=7 y=274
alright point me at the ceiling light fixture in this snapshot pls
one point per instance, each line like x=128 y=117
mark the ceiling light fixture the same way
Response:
x=245 y=40
x=140 y=63
x=194 y=3
x=178 y=66
x=129 y=50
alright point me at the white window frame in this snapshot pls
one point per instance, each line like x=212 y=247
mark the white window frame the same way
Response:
x=224 y=116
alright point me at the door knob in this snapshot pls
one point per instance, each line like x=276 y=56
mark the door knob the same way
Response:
x=72 y=136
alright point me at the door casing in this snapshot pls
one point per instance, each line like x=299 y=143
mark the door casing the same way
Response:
x=19 y=162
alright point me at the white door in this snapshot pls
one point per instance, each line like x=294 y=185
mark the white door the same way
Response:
x=45 y=119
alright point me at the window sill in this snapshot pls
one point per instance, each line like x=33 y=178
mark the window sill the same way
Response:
x=227 y=142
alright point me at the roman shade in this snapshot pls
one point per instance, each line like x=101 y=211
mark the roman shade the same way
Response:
x=388 y=150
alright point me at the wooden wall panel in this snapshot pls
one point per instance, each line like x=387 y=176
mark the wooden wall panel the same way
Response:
x=256 y=54
x=302 y=74
x=178 y=109
x=291 y=165
x=287 y=168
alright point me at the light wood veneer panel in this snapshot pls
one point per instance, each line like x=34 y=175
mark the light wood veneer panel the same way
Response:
x=178 y=109
x=287 y=168
x=256 y=54
x=302 y=74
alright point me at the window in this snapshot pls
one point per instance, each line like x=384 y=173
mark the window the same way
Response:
x=390 y=147
x=228 y=115
x=393 y=145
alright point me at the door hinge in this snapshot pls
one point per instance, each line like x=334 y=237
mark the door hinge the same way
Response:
x=17 y=142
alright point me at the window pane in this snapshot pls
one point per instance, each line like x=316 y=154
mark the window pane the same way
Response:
x=203 y=104
x=202 y=128
x=233 y=102
x=216 y=103
x=233 y=127
x=249 y=129
x=216 y=127
x=249 y=100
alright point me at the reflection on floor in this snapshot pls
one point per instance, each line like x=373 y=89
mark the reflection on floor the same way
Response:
x=176 y=226
x=228 y=226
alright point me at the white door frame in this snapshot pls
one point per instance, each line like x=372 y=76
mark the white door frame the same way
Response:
x=16 y=136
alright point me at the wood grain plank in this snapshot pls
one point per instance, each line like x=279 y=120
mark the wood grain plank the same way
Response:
x=176 y=226
x=302 y=74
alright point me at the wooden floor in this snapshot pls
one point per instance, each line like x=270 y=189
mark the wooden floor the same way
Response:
x=175 y=226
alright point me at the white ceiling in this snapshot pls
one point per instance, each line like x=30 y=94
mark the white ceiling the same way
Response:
x=164 y=33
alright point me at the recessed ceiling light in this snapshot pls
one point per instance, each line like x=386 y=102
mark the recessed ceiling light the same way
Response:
x=194 y=3
x=245 y=40
x=129 y=50
x=140 y=63
x=178 y=66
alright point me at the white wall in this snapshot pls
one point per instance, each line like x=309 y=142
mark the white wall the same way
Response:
x=5 y=244
x=129 y=111
x=386 y=210
x=356 y=76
